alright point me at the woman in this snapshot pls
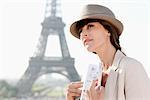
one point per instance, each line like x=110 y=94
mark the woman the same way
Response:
x=123 y=78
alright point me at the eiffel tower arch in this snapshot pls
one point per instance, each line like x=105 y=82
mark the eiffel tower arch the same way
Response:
x=40 y=64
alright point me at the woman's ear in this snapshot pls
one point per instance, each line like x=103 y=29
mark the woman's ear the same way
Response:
x=108 y=34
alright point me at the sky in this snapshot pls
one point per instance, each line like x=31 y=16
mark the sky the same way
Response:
x=20 y=28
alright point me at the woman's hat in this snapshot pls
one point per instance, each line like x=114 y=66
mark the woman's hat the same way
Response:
x=93 y=11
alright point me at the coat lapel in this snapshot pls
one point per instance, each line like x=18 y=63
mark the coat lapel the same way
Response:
x=111 y=84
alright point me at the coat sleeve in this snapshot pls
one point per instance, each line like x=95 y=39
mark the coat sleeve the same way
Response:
x=137 y=83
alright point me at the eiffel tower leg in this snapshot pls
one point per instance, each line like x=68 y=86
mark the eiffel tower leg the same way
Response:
x=71 y=70
x=24 y=86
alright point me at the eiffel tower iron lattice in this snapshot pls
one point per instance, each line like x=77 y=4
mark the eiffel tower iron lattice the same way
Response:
x=40 y=64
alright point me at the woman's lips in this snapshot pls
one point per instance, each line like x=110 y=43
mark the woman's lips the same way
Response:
x=86 y=41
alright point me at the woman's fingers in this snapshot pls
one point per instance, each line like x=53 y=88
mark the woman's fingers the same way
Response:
x=96 y=92
x=74 y=90
x=75 y=85
x=93 y=85
x=71 y=94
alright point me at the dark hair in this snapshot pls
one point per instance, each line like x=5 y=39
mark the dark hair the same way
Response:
x=114 y=37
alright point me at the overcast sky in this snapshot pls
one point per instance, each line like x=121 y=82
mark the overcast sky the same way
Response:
x=20 y=27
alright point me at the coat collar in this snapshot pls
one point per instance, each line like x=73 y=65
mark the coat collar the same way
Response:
x=111 y=84
x=118 y=56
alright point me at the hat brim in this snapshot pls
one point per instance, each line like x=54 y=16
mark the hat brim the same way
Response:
x=113 y=21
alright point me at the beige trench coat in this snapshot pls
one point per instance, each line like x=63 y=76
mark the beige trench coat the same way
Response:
x=127 y=80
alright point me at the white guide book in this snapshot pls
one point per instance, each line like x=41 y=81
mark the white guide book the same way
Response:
x=94 y=72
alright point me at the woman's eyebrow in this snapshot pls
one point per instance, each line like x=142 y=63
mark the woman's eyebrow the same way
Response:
x=91 y=23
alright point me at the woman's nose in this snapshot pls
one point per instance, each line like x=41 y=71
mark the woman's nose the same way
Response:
x=84 y=33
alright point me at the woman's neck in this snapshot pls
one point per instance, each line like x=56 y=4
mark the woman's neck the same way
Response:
x=106 y=54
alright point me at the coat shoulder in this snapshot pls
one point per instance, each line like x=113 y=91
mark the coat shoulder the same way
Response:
x=131 y=64
x=135 y=78
x=132 y=67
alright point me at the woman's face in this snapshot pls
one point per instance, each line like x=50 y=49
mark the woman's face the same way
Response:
x=94 y=36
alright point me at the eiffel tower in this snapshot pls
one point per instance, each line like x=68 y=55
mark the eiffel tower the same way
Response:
x=40 y=64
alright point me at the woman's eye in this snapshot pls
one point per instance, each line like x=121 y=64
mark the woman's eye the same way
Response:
x=90 y=26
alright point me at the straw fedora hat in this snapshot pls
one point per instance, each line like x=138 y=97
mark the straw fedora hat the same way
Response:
x=94 y=11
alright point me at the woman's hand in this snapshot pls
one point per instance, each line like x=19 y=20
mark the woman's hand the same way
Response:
x=96 y=92
x=74 y=90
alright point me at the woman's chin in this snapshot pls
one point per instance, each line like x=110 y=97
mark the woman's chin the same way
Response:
x=89 y=49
